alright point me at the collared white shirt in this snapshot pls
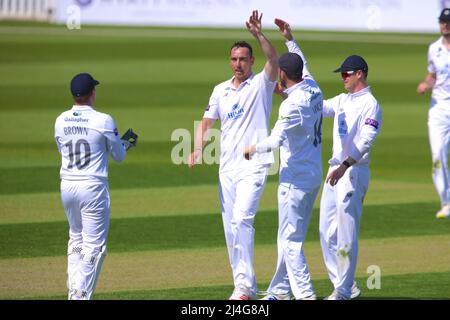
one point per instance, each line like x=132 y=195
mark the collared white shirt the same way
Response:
x=439 y=63
x=85 y=138
x=298 y=133
x=357 y=122
x=244 y=115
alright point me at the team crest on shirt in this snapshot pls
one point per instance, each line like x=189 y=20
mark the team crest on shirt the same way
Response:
x=207 y=107
x=77 y=114
x=372 y=122
x=236 y=112
x=116 y=132
x=342 y=129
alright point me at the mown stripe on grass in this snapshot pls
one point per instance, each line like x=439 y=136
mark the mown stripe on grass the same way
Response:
x=190 y=33
x=192 y=200
x=166 y=269
x=206 y=230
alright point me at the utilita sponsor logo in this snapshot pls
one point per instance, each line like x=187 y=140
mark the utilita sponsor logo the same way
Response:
x=372 y=122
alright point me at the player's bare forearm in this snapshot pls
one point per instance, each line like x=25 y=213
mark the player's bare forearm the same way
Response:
x=254 y=26
x=201 y=138
x=271 y=66
x=268 y=49
x=427 y=83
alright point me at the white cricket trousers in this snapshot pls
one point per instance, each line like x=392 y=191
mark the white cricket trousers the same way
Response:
x=239 y=192
x=294 y=212
x=87 y=207
x=340 y=215
x=439 y=135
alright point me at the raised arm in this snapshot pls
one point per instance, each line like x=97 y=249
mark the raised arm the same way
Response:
x=285 y=30
x=254 y=27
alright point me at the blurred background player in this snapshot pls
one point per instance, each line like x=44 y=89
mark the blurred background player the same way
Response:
x=85 y=138
x=357 y=122
x=243 y=105
x=298 y=134
x=438 y=79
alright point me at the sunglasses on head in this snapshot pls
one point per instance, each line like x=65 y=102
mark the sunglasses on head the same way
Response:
x=347 y=74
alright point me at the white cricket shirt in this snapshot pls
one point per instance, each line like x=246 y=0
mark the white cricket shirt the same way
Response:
x=85 y=138
x=357 y=122
x=298 y=133
x=244 y=115
x=439 y=63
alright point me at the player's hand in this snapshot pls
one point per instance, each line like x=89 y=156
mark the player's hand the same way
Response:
x=422 y=88
x=129 y=139
x=335 y=175
x=249 y=151
x=194 y=157
x=285 y=29
x=279 y=89
x=254 y=23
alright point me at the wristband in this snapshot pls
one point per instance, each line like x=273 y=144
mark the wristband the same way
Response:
x=346 y=163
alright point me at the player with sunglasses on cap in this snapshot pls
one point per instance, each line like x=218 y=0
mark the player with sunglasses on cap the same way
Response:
x=357 y=123
x=438 y=79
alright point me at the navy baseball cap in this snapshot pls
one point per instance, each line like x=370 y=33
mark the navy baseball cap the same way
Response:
x=292 y=64
x=353 y=63
x=82 y=84
x=445 y=15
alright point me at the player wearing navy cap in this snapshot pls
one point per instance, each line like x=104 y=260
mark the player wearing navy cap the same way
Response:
x=438 y=79
x=298 y=134
x=85 y=139
x=357 y=123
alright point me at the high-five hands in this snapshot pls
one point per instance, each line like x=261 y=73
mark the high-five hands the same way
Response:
x=285 y=29
x=254 y=23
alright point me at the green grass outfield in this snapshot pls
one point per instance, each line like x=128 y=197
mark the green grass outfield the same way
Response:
x=166 y=238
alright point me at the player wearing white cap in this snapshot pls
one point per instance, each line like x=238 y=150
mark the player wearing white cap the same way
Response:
x=357 y=123
x=298 y=134
x=438 y=79
x=85 y=138
x=243 y=105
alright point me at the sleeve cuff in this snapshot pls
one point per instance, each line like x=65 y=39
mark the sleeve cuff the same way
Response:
x=356 y=154
x=262 y=147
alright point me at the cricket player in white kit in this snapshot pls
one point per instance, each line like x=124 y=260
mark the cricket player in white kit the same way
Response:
x=438 y=79
x=357 y=122
x=298 y=134
x=85 y=138
x=243 y=105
